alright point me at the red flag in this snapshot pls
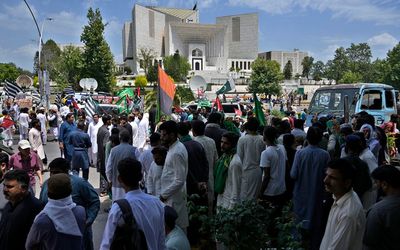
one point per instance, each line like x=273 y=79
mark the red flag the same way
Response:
x=7 y=122
x=138 y=91
x=219 y=104
x=166 y=88
x=238 y=112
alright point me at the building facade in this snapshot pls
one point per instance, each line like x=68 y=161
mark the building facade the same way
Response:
x=211 y=49
x=282 y=57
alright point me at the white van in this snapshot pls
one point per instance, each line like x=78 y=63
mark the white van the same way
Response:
x=378 y=100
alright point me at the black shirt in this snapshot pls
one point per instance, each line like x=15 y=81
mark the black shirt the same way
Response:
x=17 y=221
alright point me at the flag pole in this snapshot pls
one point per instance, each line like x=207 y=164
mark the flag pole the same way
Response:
x=158 y=99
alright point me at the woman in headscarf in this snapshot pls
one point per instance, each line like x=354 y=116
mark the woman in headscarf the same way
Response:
x=370 y=137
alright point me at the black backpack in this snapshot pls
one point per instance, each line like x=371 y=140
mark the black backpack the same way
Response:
x=128 y=236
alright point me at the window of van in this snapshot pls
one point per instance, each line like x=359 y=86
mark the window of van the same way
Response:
x=371 y=99
x=389 y=99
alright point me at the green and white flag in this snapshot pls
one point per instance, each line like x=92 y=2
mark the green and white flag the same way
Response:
x=228 y=86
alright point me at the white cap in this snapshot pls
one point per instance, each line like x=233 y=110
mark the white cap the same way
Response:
x=24 y=144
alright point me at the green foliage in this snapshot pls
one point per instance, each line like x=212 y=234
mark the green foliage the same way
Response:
x=146 y=58
x=379 y=70
x=359 y=57
x=97 y=57
x=288 y=70
x=392 y=76
x=337 y=66
x=307 y=65
x=149 y=99
x=318 y=70
x=49 y=57
x=9 y=71
x=177 y=67
x=266 y=77
x=243 y=227
x=69 y=67
x=140 y=81
x=185 y=94
x=152 y=74
x=286 y=226
x=351 y=77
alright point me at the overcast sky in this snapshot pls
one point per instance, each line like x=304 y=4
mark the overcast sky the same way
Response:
x=315 y=26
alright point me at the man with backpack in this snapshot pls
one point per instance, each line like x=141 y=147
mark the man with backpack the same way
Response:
x=137 y=221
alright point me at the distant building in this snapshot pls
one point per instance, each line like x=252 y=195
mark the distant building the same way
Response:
x=211 y=49
x=282 y=57
x=65 y=45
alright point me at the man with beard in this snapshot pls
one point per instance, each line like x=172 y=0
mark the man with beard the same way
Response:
x=19 y=212
x=173 y=178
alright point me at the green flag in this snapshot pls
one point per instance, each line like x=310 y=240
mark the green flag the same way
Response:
x=258 y=112
x=228 y=86
x=127 y=91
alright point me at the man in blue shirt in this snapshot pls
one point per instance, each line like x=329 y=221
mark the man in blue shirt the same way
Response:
x=83 y=194
x=308 y=172
x=65 y=129
x=80 y=157
x=147 y=210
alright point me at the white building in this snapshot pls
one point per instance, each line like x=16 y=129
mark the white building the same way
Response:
x=282 y=57
x=212 y=49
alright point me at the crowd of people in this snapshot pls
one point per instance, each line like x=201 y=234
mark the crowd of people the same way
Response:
x=337 y=175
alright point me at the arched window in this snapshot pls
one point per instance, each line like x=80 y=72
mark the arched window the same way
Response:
x=197 y=52
x=197 y=66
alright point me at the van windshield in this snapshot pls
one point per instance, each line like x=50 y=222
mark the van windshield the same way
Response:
x=331 y=100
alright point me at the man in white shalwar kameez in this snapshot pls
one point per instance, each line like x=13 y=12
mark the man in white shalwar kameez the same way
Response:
x=249 y=149
x=173 y=178
x=42 y=118
x=142 y=131
x=35 y=139
x=92 y=132
x=228 y=194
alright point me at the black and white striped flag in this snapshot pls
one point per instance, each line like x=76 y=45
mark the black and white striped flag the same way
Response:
x=36 y=96
x=90 y=106
x=12 y=89
x=58 y=99
x=69 y=91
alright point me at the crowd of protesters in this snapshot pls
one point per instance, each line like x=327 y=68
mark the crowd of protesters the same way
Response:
x=337 y=175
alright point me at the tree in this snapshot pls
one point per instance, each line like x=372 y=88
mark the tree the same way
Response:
x=140 y=81
x=351 y=77
x=185 y=94
x=97 y=57
x=359 y=58
x=146 y=58
x=177 y=67
x=9 y=72
x=307 y=65
x=69 y=67
x=266 y=77
x=50 y=55
x=335 y=68
x=152 y=75
x=378 y=71
x=392 y=76
x=318 y=70
x=288 y=70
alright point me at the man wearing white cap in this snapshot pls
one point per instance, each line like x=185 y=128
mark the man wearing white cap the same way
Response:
x=29 y=161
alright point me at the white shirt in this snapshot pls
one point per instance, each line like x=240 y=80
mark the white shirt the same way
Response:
x=135 y=130
x=149 y=215
x=274 y=157
x=92 y=132
x=153 y=180
x=173 y=181
x=35 y=139
x=231 y=195
x=24 y=120
x=142 y=133
x=42 y=118
x=346 y=224
x=146 y=158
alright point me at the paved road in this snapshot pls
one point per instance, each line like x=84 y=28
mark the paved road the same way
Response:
x=52 y=152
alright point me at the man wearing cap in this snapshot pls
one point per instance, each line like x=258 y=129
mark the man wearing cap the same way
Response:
x=61 y=223
x=29 y=161
x=19 y=212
